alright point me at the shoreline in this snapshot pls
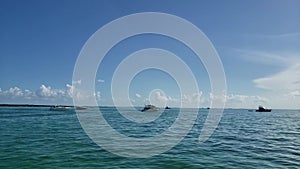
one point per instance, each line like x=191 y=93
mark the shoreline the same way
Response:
x=27 y=105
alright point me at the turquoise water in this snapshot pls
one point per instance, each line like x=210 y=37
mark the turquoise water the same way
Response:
x=34 y=137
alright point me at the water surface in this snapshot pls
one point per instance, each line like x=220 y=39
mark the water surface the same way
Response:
x=34 y=137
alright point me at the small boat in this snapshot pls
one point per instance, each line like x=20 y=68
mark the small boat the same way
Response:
x=60 y=108
x=167 y=107
x=80 y=108
x=262 y=109
x=150 y=107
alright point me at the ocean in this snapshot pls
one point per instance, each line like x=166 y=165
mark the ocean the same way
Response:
x=34 y=137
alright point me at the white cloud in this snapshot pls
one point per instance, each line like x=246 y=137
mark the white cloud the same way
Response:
x=282 y=87
x=45 y=91
x=160 y=99
x=69 y=90
x=138 y=95
x=282 y=36
x=287 y=80
x=100 y=80
x=77 y=82
x=295 y=93
x=267 y=58
x=13 y=93
x=98 y=95
x=159 y=96
x=192 y=100
x=17 y=92
x=245 y=101
x=43 y=95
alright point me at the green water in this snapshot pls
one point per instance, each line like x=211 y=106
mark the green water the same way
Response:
x=38 y=138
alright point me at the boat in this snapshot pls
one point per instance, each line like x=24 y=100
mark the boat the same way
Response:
x=60 y=108
x=262 y=109
x=80 y=108
x=150 y=107
x=167 y=107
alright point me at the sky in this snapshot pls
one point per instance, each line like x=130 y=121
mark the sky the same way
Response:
x=258 y=42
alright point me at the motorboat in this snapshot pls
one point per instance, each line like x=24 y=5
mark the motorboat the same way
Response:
x=262 y=109
x=150 y=107
x=80 y=108
x=167 y=107
x=60 y=108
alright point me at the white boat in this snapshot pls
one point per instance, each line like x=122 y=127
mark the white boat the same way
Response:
x=150 y=107
x=60 y=108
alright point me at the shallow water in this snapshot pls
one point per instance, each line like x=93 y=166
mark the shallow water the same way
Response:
x=34 y=137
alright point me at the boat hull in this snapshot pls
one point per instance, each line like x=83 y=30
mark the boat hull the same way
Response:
x=150 y=108
x=266 y=110
x=60 y=108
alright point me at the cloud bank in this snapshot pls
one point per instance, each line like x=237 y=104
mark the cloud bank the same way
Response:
x=43 y=95
x=48 y=95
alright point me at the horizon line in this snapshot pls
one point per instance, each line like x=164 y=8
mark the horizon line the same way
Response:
x=49 y=105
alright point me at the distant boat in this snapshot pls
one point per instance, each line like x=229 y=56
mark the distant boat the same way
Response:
x=167 y=107
x=80 y=108
x=208 y=108
x=60 y=108
x=262 y=109
x=150 y=107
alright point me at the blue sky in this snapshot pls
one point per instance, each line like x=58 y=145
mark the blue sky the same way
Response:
x=258 y=42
